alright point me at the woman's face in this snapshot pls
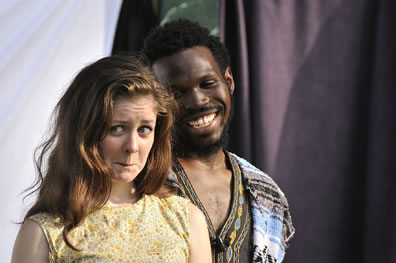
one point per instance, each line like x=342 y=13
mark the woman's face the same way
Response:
x=128 y=143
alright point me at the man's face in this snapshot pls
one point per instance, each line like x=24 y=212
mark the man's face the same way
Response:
x=203 y=95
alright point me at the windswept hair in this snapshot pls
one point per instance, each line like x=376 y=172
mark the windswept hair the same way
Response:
x=179 y=35
x=73 y=179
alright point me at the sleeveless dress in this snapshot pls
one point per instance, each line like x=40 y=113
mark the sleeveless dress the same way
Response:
x=151 y=230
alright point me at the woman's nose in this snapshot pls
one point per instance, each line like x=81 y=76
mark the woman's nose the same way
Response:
x=131 y=144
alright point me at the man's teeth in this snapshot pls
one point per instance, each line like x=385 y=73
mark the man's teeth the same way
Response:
x=203 y=121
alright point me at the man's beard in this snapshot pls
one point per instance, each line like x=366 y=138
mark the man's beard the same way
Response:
x=186 y=147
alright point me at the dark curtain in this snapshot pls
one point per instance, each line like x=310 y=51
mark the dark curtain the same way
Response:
x=315 y=84
x=136 y=19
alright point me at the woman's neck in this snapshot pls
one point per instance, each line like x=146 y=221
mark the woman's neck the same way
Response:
x=123 y=194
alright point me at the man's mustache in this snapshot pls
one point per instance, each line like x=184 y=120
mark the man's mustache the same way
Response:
x=206 y=108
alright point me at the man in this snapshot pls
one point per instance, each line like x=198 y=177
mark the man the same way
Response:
x=247 y=214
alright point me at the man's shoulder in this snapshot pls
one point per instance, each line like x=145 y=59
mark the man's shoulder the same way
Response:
x=254 y=176
x=267 y=199
x=247 y=166
x=263 y=190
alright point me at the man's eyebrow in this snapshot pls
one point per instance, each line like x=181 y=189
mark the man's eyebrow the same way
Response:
x=176 y=86
x=210 y=74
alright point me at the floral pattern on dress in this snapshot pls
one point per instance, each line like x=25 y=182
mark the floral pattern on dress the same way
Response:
x=151 y=230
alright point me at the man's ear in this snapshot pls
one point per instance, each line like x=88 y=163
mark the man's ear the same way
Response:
x=229 y=80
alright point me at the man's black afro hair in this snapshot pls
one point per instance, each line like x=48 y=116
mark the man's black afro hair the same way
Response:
x=181 y=34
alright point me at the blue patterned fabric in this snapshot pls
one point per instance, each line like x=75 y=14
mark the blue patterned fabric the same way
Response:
x=272 y=225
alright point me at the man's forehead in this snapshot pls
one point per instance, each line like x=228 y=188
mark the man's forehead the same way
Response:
x=189 y=63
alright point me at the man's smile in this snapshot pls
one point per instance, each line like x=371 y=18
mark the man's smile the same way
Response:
x=202 y=121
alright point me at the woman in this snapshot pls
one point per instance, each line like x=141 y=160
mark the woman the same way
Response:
x=101 y=192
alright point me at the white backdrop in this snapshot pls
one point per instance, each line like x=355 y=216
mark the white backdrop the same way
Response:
x=43 y=43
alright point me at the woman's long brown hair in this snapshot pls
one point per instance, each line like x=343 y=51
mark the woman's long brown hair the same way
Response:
x=72 y=177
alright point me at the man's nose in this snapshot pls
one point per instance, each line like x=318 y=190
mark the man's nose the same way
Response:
x=196 y=98
x=131 y=143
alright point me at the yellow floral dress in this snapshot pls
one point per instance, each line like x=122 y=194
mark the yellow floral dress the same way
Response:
x=151 y=230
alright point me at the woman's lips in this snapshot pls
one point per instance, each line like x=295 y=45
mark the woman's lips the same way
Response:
x=125 y=164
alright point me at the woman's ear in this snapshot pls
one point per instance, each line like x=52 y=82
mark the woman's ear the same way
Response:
x=229 y=80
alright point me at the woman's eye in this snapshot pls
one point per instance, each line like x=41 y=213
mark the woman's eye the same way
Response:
x=116 y=130
x=145 y=130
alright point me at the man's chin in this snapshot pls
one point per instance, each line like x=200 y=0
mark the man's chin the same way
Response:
x=203 y=148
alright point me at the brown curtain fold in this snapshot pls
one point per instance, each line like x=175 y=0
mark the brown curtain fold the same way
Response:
x=313 y=107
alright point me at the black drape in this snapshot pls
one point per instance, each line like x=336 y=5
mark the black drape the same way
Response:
x=313 y=108
x=315 y=86
x=136 y=19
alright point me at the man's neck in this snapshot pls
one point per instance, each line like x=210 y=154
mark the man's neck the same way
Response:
x=211 y=179
x=212 y=162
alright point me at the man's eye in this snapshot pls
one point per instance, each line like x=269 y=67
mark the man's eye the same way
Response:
x=208 y=84
x=145 y=130
x=116 y=130
x=178 y=93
